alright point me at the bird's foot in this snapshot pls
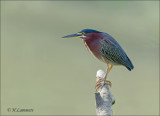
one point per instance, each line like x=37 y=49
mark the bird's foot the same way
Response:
x=101 y=82
x=108 y=83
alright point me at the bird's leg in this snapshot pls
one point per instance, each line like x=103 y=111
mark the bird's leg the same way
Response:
x=102 y=81
x=105 y=78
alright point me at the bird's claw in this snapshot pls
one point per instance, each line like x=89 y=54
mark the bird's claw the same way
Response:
x=108 y=83
x=101 y=82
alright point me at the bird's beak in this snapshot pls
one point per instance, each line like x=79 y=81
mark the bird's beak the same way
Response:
x=73 y=35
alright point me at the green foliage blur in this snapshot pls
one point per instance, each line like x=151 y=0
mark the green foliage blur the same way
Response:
x=56 y=76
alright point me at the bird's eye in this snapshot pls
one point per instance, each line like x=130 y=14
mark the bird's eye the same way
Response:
x=83 y=33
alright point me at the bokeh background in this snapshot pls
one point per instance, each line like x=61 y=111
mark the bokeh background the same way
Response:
x=56 y=76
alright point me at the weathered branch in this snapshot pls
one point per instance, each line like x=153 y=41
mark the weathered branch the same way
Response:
x=104 y=98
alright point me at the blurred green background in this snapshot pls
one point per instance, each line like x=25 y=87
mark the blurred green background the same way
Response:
x=56 y=76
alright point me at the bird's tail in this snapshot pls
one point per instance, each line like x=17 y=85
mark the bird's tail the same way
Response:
x=130 y=65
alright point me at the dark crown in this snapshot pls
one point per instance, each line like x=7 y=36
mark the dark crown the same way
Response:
x=89 y=31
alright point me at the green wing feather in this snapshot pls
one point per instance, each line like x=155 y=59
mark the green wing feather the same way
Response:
x=114 y=53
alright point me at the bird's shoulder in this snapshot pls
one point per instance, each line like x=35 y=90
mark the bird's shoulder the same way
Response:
x=109 y=41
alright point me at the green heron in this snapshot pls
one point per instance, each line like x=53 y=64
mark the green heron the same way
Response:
x=105 y=48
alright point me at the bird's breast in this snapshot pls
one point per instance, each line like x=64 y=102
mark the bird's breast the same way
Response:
x=94 y=46
x=93 y=42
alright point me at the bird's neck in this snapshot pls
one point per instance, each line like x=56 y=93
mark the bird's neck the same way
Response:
x=92 y=41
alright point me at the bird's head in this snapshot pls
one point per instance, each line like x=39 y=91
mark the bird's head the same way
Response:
x=83 y=33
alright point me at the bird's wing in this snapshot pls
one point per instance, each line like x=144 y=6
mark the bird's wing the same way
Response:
x=113 y=52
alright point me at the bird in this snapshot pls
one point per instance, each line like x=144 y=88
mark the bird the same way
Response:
x=105 y=48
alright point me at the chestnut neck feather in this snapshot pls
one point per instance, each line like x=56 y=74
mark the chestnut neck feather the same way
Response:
x=92 y=41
